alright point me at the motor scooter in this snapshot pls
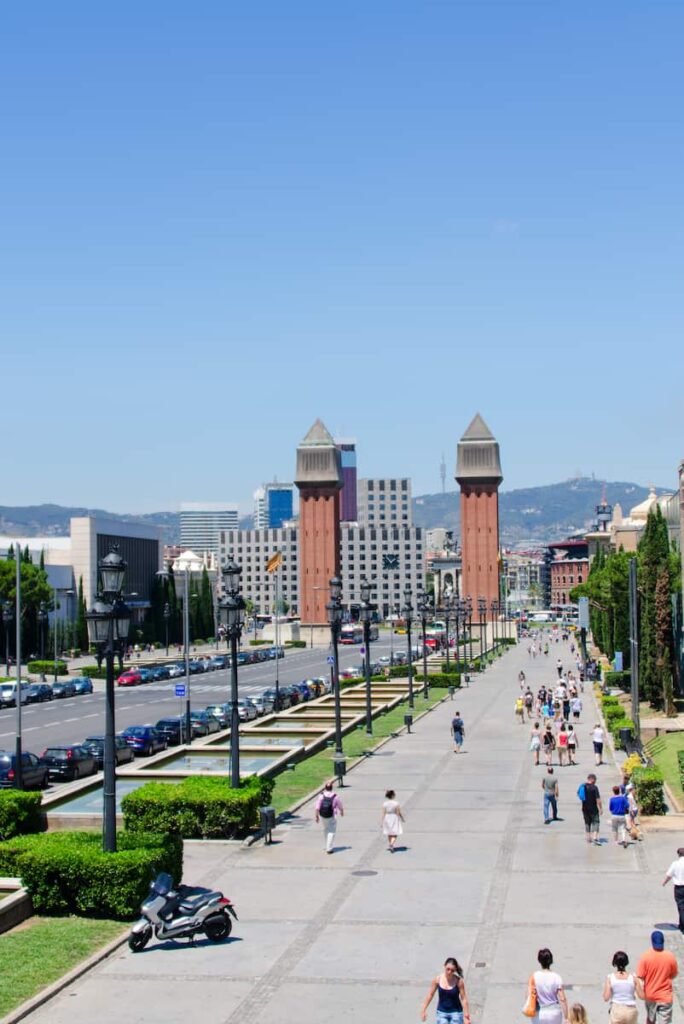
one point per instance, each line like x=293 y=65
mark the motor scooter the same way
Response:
x=181 y=912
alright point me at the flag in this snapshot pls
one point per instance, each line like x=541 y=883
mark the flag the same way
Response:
x=274 y=562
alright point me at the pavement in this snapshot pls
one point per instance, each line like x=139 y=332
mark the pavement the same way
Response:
x=358 y=935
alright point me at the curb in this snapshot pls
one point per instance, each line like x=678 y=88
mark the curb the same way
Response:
x=57 y=986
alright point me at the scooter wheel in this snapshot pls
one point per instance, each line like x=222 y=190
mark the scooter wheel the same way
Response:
x=218 y=927
x=138 y=940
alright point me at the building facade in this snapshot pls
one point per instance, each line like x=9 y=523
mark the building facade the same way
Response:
x=201 y=523
x=385 y=502
x=348 y=493
x=568 y=566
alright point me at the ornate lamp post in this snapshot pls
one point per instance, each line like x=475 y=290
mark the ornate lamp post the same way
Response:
x=7 y=619
x=495 y=621
x=445 y=613
x=367 y=609
x=42 y=622
x=407 y=612
x=167 y=615
x=469 y=619
x=233 y=617
x=424 y=606
x=108 y=625
x=482 y=613
x=335 y=612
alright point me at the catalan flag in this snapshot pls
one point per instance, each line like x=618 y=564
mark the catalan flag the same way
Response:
x=274 y=562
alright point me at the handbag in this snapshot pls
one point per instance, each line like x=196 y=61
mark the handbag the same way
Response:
x=531 y=1007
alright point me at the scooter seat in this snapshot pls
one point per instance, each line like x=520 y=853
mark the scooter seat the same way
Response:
x=193 y=902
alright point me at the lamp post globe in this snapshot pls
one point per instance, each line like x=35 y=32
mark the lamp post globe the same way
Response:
x=424 y=606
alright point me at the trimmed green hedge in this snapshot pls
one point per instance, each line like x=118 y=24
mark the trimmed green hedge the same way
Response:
x=610 y=702
x=259 y=643
x=93 y=672
x=455 y=666
x=67 y=872
x=295 y=643
x=440 y=678
x=202 y=808
x=623 y=680
x=649 y=790
x=20 y=813
x=48 y=667
x=680 y=760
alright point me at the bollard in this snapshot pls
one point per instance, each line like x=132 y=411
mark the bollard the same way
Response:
x=408 y=722
x=267 y=816
x=467 y=679
x=340 y=769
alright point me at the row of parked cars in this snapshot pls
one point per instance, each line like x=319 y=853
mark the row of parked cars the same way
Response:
x=36 y=693
x=138 y=675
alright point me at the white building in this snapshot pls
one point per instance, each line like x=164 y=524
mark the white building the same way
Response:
x=260 y=511
x=384 y=502
x=201 y=523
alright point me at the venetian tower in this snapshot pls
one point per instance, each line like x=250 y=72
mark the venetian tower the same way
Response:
x=319 y=479
x=478 y=473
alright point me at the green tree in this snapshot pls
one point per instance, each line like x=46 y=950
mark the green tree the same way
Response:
x=654 y=575
x=81 y=626
x=206 y=605
x=34 y=589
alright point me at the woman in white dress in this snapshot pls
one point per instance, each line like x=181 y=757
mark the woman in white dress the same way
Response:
x=392 y=818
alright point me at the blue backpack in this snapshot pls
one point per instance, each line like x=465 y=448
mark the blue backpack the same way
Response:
x=582 y=792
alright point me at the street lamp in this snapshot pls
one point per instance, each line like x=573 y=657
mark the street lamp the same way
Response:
x=459 y=619
x=367 y=609
x=469 y=617
x=108 y=623
x=42 y=622
x=407 y=612
x=495 y=622
x=233 y=617
x=482 y=612
x=424 y=605
x=7 y=619
x=167 y=615
x=446 y=611
x=335 y=612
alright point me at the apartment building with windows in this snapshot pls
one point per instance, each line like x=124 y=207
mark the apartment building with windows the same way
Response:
x=384 y=502
x=201 y=523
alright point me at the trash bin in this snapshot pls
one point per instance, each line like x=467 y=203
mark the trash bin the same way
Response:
x=466 y=679
x=408 y=722
x=267 y=816
x=452 y=690
x=340 y=769
x=625 y=738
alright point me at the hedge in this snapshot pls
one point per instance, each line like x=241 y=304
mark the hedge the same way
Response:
x=20 y=813
x=202 y=808
x=93 y=672
x=649 y=790
x=295 y=643
x=440 y=678
x=68 y=873
x=48 y=666
x=258 y=643
x=623 y=680
x=455 y=666
x=610 y=702
x=620 y=723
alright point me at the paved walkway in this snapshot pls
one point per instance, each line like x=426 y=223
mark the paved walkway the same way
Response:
x=358 y=935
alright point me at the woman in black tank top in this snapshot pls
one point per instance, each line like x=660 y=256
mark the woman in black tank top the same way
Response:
x=452 y=1001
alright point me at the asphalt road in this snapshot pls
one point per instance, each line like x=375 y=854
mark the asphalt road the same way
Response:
x=71 y=719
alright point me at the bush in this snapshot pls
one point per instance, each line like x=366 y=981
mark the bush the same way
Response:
x=93 y=672
x=48 y=667
x=295 y=643
x=67 y=872
x=440 y=678
x=258 y=643
x=20 y=813
x=610 y=702
x=197 y=808
x=623 y=680
x=620 y=723
x=628 y=766
x=455 y=666
x=612 y=714
x=680 y=759
x=649 y=790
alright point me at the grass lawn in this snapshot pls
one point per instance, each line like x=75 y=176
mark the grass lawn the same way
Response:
x=664 y=750
x=291 y=786
x=43 y=949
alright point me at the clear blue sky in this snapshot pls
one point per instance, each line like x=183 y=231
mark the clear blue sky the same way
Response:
x=221 y=220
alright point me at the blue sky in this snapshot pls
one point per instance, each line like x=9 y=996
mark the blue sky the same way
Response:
x=221 y=221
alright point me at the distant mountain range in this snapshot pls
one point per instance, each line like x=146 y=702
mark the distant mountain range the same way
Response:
x=534 y=515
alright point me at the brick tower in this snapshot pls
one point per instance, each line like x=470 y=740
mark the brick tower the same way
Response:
x=319 y=479
x=478 y=473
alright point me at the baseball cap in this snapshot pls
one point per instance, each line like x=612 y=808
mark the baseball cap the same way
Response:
x=657 y=940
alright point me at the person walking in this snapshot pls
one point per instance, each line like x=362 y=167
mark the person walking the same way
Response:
x=521 y=679
x=548 y=743
x=592 y=808
x=562 y=742
x=550 y=790
x=572 y=745
x=655 y=972
x=634 y=829
x=535 y=742
x=328 y=809
x=528 y=700
x=675 y=873
x=559 y=667
x=548 y=985
x=576 y=706
x=597 y=738
x=618 y=805
x=619 y=990
x=392 y=819
x=452 y=1000
x=457 y=731
x=520 y=710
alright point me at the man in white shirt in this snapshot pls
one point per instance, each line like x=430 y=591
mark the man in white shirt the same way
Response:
x=675 y=872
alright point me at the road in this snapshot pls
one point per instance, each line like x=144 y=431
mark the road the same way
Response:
x=71 y=719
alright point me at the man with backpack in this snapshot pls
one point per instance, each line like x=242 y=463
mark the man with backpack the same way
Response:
x=328 y=807
x=592 y=808
x=457 y=731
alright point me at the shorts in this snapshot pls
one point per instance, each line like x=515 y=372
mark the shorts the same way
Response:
x=458 y=739
x=598 y=747
x=451 y=1017
x=617 y=822
x=591 y=821
x=658 y=1013
x=620 y=1013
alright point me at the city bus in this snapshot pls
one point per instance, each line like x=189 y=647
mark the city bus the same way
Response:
x=351 y=633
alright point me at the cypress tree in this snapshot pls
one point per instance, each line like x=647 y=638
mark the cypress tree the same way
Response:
x=207 y=605
x=81 y=622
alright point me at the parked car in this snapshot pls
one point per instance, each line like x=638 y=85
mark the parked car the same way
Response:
x=211 y=723
x=38 y=692
x=270 y=695
x=160 y=672
x=175 y=671
x=221 y=713
x=247 y=710
x=195 y=667
x=123 y=754
x=144 y=739
x=8 y=694
x=172 y=729
x=293 y=693
x=69 y=762
x=304 y=691
x=385 y=660
x=63 y=688
x=146 y=675
x=34 y=774
x=83 y=685
x=219 y=661
x=257 y=704
x=130 y=678
x=323 y=684
x=199 y=724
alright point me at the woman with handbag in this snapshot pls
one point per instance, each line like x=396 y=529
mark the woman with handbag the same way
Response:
x=546 y=1000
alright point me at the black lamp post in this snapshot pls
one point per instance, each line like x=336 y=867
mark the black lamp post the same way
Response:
x=482 y=613
x=447 y=612
x=108 y=625
x=424 y=605
x=233 y=615
x=459 y=621
x=7 y=619
x=367 y=609
x=407 y=612
x=495 y=622
x=335 y=612
x=42 y=622
x=167 y=615
x=469 y=617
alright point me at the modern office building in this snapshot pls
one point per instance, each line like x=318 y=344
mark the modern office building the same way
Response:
x=279 y=504
x=260 y=517
x=201 y=523
x=348 y=494
x=252 y=550
x=384 y=502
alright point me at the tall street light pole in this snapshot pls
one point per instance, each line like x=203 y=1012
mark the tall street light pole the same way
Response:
x=42 y=621
x=407 y=612
x=167 y=615
x=335 y=612
x=367 y=609
x=445 y=612
x=164 y=574
x=469 y=617
x=495 y=622
x=424 y=606
x=108 y=625
x=233 y=612
x=18 y=768
x=7 y=617
x=482 y=614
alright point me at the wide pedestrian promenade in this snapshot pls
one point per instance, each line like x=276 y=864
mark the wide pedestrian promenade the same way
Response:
x=357 y=936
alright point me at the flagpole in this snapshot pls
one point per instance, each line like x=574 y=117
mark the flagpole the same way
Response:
x=277 y=637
